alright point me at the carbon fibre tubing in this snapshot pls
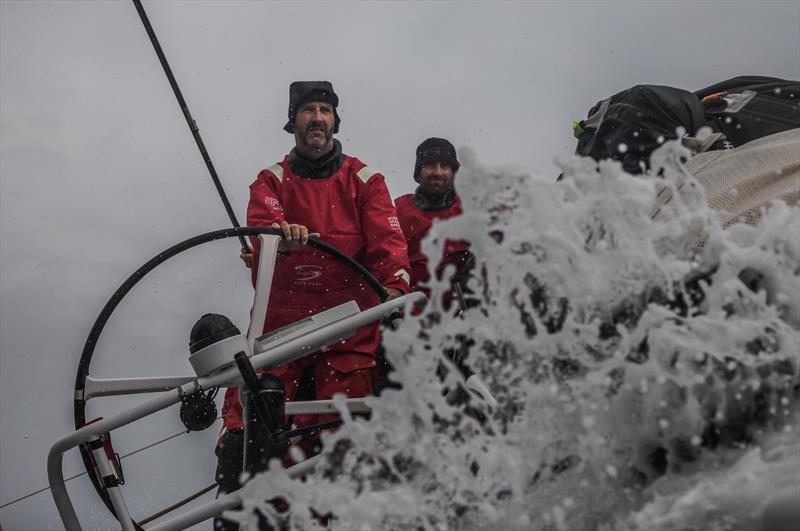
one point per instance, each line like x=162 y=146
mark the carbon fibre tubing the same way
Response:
x=116 y=298
x=250 y=379
x=105 y=314
x=283 y=353
x=189 y=120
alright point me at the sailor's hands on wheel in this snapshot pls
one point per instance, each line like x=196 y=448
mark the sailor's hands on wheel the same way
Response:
x=393 y=293
x=294 y=236
x=247 y=257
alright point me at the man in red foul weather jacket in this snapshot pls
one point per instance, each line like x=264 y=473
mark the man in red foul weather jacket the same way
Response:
x=435 y=198
x=318 y=190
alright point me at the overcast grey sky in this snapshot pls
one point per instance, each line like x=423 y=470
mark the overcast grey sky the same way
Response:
x=98 y=171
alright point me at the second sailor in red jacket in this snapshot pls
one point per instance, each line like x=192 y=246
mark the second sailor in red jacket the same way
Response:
x=435 y=198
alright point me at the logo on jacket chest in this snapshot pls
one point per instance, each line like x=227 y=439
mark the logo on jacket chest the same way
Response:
x=306 y=273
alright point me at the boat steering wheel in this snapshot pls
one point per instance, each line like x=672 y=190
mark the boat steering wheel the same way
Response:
x=112 y=303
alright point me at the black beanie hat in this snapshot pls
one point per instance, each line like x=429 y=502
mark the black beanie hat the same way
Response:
x=435 y=150
x=301 y=92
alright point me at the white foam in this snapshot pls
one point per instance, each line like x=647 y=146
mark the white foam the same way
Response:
x=573 y=406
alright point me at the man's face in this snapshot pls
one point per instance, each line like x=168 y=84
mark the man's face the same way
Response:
x=313 y=125
x=436 y=177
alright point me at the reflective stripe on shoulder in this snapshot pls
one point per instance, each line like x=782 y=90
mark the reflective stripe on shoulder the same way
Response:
x=365 y=173
x=277 y=169
x=404 y=275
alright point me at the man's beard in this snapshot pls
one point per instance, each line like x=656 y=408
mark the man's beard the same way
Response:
x=317 y=142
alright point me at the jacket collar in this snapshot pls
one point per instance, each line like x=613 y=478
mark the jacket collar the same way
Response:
x=323 y=167
x=433 y=202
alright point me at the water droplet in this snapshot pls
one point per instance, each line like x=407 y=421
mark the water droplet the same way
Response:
x=703 y=133
x=296 y=453
x=559 y=516
x=622 y=147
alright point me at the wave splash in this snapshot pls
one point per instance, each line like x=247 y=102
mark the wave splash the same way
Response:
x=642 y=382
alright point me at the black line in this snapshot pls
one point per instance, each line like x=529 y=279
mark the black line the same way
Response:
x=25 y=497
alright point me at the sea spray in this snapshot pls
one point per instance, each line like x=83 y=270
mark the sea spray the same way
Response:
x=637 y=370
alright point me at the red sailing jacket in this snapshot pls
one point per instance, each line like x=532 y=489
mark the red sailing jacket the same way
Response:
x=416 y=223
x=352 y=211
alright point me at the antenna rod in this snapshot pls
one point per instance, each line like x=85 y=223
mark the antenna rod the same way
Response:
x=189 y=120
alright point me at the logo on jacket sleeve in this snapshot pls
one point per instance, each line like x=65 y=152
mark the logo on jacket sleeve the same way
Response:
x=402 y=273
x=272 y=203
x=394 y=223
